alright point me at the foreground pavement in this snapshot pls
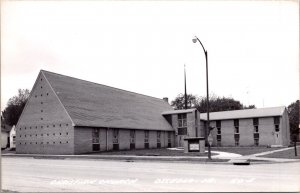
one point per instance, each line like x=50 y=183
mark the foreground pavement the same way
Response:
x=75 y=175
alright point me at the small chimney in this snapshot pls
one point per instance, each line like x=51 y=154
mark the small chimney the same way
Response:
x=166 y=99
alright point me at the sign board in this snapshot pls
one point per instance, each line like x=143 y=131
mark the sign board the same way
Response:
x=194 y=147
x=210 y=139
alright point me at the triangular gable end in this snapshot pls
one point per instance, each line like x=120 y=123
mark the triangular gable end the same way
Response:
x=43 y=107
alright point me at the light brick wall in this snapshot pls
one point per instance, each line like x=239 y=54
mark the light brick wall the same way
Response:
x=152 y=139
x=124 y=139
x=139 y=139
x=266 y=130
x=42 y=117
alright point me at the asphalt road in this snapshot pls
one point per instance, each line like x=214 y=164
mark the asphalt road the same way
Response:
x=32 y=175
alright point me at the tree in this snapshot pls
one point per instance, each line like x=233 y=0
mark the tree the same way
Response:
x=293 y=111
x=216 y=103
x=178 y=102
x=15 y=106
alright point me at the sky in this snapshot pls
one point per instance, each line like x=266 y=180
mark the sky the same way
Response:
x=142 y=46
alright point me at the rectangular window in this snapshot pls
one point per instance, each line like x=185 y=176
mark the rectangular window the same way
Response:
x=219 y=144
x=256 y=129
x=115 y=136
x=158 y=139
x=132 y=139
x=276 y=128
x=276 y=120
x=146 y=139
x=95 y=136
x=256 y=142
x=182 y=131
x=219 y=137
x=182 y=120
x=169 y=139
x=218 y=124
x=255 y=121
x=236 y=129
x=237 y=142
x=276 y=123
x=158 y=136
x=132 y=136
x=236 y=122
x=256 y=135
x=96 y=139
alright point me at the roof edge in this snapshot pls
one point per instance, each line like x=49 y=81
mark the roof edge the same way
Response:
x=103 y=85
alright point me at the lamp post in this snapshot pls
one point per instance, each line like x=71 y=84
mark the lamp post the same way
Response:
x=207 y=97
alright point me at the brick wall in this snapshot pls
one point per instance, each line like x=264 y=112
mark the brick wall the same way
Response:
x=266 y=130
x=44 y=126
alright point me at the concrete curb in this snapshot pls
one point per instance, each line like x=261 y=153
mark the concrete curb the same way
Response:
x=196 y=160
x=121 y=158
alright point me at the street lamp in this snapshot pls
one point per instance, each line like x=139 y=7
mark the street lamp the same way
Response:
x=207 y=97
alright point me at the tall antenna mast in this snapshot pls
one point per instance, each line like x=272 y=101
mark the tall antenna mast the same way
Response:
x=185 y=95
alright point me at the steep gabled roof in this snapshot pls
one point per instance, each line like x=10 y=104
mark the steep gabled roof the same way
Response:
x=246 y=113
x=96 y=105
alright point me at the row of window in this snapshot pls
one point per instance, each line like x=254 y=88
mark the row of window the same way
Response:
x=47 y=126
x=96 y=147
x=35 y=143
x=255 y=122
x=31 y=135
x=96 y=136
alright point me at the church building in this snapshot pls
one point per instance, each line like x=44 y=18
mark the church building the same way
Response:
x=66 y=115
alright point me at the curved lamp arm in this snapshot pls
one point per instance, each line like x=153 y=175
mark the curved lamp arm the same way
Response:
x=195 y=40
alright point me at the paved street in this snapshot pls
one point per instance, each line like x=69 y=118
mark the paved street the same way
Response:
x=70 y=175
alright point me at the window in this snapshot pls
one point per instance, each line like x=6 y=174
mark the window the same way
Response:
x=276 y=128
x=96 y=139
x=218 y=124
x=158 y=139
x=182 y=120
x=182 y=131
x=276 y=120
x=236 y=122
x=236 y=130
x=146 y=139
x=115 y=136
x=255 y=124
x=169 y=139
x=132 y=139
x=256 y=142
x=237 y=139
x=256 y=129
x=255 y=121
x=236 y=126
x=237 y=142
x=276 y=123
x=219 y=137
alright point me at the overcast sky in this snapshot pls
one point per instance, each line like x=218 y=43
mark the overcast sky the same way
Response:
x=253 y=46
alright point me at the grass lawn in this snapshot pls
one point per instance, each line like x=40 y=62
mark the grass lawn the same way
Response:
x=245 y=150
x=287 y=154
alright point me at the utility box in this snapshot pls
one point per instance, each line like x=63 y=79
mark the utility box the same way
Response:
x=194 y=144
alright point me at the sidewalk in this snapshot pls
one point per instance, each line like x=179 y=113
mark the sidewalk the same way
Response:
x=255 y=157
x=221 y=158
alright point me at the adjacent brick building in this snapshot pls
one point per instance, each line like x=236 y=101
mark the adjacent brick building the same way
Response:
x=250 y=127
x=65 y=115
